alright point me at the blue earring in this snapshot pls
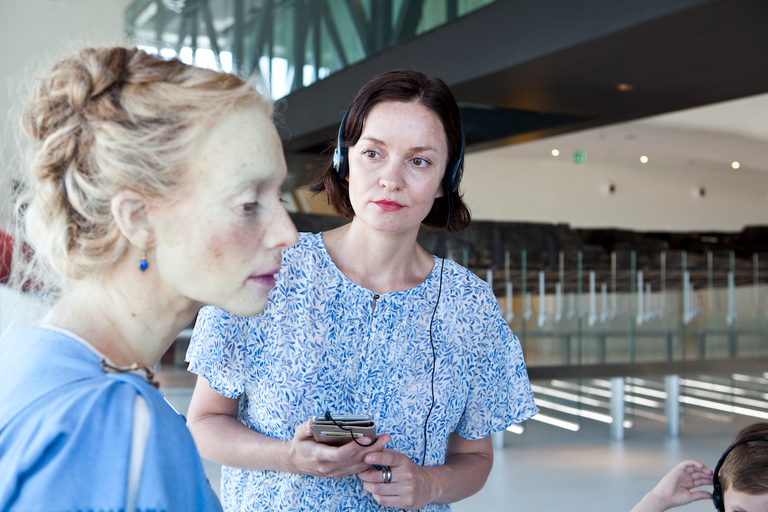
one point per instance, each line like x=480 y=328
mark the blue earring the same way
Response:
x=143 y=263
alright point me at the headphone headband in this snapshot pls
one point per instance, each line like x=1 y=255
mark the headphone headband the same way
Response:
x=453 y=172
x=717 y=492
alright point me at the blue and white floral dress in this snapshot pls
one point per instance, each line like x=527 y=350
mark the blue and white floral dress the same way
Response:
x=326 y=344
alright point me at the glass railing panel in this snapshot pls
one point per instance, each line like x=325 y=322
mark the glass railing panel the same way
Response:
x=634 y=307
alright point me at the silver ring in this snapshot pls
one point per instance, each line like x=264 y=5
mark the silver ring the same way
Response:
x=386 y=474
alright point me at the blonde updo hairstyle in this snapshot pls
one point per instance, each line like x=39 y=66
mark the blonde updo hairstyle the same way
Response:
x=106 y=120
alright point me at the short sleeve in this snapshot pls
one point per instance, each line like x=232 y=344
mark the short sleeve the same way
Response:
x=500 y=393
x=218 y=350
x=70 y=450
x=172 y=476
x=57 y=443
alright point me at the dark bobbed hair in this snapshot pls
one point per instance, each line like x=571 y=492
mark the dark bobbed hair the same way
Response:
x=745 y=468
x=402 y=85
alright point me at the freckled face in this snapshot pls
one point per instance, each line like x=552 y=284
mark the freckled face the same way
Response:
x=221 y=242
x=739 y=502
x=396 y=168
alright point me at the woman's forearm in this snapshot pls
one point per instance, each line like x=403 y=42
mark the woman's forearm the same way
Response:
x=461 y=476
x=222 y=438
x=225 y=440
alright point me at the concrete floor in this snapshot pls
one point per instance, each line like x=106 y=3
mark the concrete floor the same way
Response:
x=550 y=469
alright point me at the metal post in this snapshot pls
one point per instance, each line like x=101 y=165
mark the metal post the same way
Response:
x=670 y=345
x=733 y=345
x=317 y=40
x=613 y=285
x=683 y=296
x=632 y=305
x=301 y=24
x=523 y=295
x=663 y=282
x=579 y=307
x=672 y=406
x=702 y=342
x=617 y=408
x=497 y=440
x=755 y=300
x=710 y=284
x=238 y=40
x=601 y=348
x=452 y=9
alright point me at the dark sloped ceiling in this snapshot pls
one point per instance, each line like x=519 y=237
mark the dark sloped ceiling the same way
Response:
x=528 y=69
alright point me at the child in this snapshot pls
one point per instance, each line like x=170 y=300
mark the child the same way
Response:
x=740 y=479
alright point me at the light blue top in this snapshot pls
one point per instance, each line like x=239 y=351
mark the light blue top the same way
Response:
x=66 y=432
x=321 y=345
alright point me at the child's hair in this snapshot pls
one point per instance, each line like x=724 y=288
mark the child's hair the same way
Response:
x=745 y=469
x=105 y=120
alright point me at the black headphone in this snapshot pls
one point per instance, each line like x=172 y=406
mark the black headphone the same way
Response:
x=717 y=493
x=453 y=171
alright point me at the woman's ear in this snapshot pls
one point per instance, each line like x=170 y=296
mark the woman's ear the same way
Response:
x=129 y=209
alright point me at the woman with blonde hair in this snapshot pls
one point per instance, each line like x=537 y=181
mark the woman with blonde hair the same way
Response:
x=154 y=188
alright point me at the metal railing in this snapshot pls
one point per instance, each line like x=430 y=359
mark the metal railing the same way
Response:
x=670 y=306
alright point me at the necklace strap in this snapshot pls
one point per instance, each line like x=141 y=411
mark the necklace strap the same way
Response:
x=148 y=372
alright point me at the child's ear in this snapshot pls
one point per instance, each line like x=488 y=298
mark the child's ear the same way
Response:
x=129 y=209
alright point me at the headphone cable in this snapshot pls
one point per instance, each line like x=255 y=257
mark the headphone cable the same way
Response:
x=431 y=340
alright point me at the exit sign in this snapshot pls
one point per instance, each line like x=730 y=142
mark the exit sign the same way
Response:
x=579 y=157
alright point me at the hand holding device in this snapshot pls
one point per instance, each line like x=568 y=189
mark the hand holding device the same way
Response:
x=308 y=457
x=396 y=481
x=340 y=430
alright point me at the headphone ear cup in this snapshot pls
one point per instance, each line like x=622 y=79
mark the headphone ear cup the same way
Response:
x=454 y=173
x=452 y=178
x=717 y=496
x=340 y=162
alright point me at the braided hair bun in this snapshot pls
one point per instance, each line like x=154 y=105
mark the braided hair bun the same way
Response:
x=105 y=120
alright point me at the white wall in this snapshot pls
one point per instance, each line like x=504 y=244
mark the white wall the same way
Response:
x=657 y=198
x=685 y=151
x=18 y=309
x=31 y=31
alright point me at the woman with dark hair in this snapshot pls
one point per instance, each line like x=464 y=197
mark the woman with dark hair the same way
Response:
x=363 y=321
x=404 y=87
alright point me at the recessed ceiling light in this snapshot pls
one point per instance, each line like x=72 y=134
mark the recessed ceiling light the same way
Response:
x=735 y=165
x=644 y=159
x=555 y=152
x=625 y=87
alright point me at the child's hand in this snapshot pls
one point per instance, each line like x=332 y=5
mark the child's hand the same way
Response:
x=675 y=488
